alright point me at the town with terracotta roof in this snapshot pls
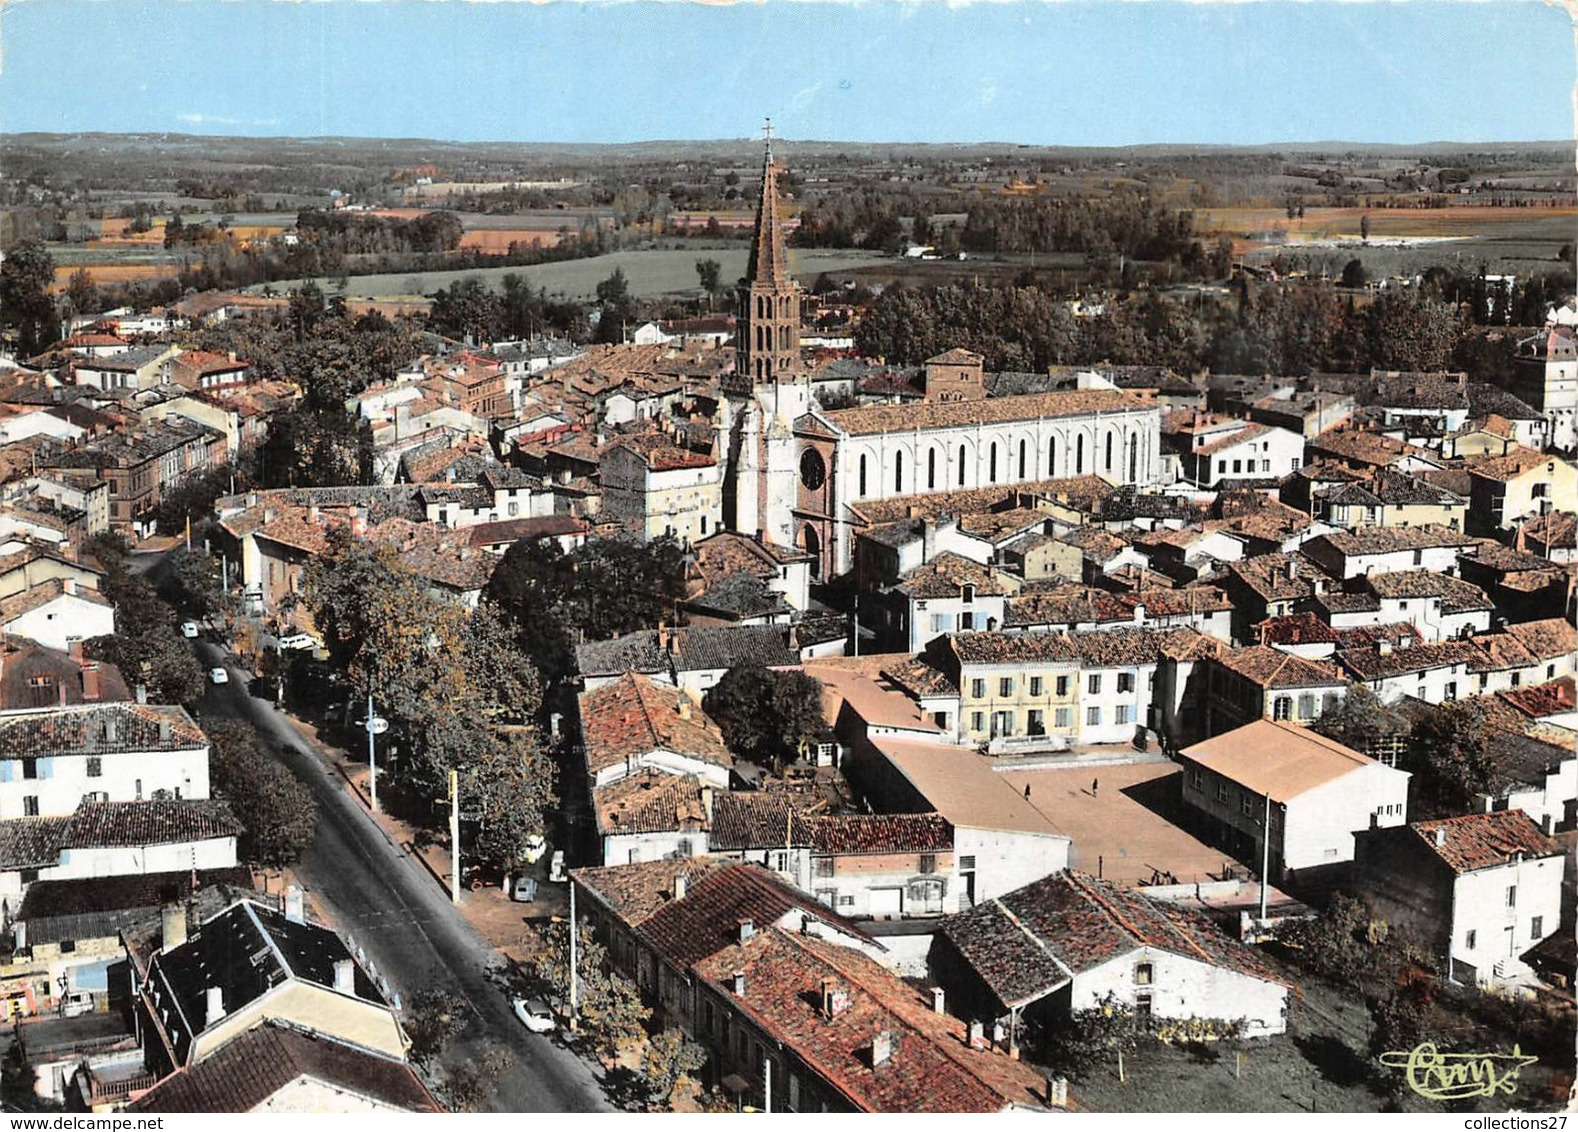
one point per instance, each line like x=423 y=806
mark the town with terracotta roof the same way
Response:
x=782 y=625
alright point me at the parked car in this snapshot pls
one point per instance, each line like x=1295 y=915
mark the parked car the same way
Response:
x=76 y=1003
x=298 y=641
x=219 y=675
x=534 y=1015
x=523 y=889
x=189 y=630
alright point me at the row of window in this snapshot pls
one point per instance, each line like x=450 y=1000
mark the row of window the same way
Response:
x=1037 y=685
x=1025 y=471
x=1006 y=722
x=824 y=866
x=1536 y=924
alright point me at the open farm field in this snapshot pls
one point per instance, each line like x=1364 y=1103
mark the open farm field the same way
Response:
x=650 y=272
x=1406 y=225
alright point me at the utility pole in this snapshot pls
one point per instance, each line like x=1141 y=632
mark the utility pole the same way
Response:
x=372 y=754
x=1265 y=857
x=454 y=839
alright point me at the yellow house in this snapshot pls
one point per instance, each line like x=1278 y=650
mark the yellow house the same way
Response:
x=1392 y=499
x=1523 y=484
x=251 y=964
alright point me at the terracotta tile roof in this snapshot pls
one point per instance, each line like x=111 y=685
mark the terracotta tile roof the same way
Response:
x=1386 y=540
x=1177 y=602
x=1538 y=700
x=1550 y=639
x=1267 y=575
x=993 y=410
x=707 y=919
x=1374 y=664
x=267 y=1059
x=1065 y=605
x=1081 y=492
x=1030 y=941
x=1457 y=596
x=1097 y=545
x=1359 y=447
x=31 y=843
x=945 y=574
x=994 y=526
x=1555 y=530
x=98 y=729
x=42 y=594
x=99 y=824
x=738 y=596
x=661 y=454
x=880 y=833
x=1250 y=431
x=1484 y=841
x=635 y=892
x=919 y=678
x=633 y=716
x=1506 y=560
x=514 y=530
x=931 y=1069
x=1508 y=467
x=651 y=801
x=756 y=821
x=1308 y=629
x=957 y=356
x=1272 y=668
x=1279 y=759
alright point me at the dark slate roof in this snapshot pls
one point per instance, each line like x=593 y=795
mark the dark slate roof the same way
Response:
x=149 y=823
x=249 y=1070
x=101 y=908
x=246 y=950
x=31 y=843
x=1484 y=398
x=641 y=651
x=727 y=646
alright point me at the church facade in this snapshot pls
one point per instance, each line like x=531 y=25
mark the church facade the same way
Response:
x=793 y=470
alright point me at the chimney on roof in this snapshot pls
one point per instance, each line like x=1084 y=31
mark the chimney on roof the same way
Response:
x=938 y=1000
x=312 y=514
x=269 y=514
x=1293 y=567
x=747 y=928
x=142 y=693
x=684 y=706
x=681 y=885
x=739 y=983
x=295 y=905
x=345 y=976
x=1438 y=835
x=173 y=920
x=62 y=697
x=90 y=682
x=881 y=1048
x=977 y=1035
x=707 y=794
x=1139 y=613
x=214 y=1006
x=68 y=586
x=1384 y=646
x=164 y=731
x=928 y=539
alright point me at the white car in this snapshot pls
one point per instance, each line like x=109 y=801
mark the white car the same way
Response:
x=534 y=1014
x=189 y=630
x=219 y=675
x=298 y=641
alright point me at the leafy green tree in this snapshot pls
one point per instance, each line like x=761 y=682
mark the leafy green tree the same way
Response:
x=1338 y=944
x=1091 y=1038
x=609 y=1005
x=710 y=273
x=435 y=1018
x=668 y=1056
x=1361 y=721
x=468 y=1085
x=1353 y=274
x=1449 y=755
x=279 y=812
x=26 y=307
x=766 y=716
x=1399 y=1021
x=82 y=292
x=147 y=646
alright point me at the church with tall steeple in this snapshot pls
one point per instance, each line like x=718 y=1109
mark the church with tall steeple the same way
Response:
x=767 y=344
x=798 y=475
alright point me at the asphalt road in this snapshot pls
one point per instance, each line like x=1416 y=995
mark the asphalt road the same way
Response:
x=390 y=904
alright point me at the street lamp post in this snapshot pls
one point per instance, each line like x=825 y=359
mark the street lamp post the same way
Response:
x=372 y=752
x=454 y=838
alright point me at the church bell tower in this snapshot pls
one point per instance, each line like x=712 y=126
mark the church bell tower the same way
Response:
x=767 y=331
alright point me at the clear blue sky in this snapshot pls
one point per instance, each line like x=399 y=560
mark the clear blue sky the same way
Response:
x=1078 y=72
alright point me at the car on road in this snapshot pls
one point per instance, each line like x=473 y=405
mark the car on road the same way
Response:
x=77 y=1003
x=219 y=675
x=298 y=641
x=189 y=630
x=534 y=1015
